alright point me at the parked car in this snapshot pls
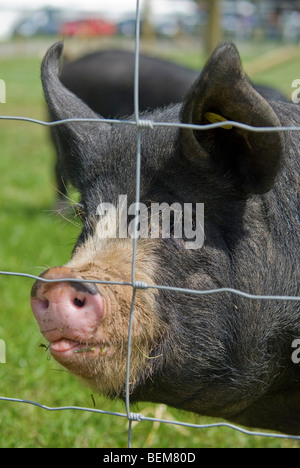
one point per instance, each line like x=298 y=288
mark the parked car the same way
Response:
x=45 y=21
x=88 y=27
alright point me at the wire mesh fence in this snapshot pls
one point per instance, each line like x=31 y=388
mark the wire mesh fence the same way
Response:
x=147 y=125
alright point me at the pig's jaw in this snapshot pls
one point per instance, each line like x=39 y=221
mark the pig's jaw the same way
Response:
x=92 y=360
x=102 y=366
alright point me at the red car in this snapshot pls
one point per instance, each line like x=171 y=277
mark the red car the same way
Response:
x=88 y=27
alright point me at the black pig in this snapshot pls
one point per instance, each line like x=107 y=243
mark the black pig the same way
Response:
x=220 y=355
x=105 y=81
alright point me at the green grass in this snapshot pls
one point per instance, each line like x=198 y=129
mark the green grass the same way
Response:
x=281 y=77
x=31 y=239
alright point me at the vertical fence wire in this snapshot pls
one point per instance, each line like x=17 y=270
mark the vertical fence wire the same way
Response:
x=141 y=125
x=137 y=200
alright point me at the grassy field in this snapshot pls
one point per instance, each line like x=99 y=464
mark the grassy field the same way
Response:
x=33 y=237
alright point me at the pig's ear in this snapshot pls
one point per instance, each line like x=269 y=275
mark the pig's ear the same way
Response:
x=78 y=142
x=223 y=92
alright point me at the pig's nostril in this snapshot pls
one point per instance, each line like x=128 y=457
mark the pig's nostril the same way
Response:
x=45 y=304
x=78 y=302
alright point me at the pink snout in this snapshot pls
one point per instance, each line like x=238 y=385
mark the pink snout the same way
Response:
x=68 y=313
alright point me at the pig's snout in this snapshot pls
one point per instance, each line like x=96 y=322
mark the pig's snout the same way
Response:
x=68 y=313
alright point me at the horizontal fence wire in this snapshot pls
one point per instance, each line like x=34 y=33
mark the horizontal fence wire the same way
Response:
x=142 y=125
x=151 y=124
x=140 y=417
x=143 y=285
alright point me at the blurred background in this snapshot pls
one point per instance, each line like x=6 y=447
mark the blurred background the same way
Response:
x=32 y=234
x=206 y=21
x=185 y=30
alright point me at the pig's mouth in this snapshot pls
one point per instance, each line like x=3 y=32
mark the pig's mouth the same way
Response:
x=67 y=344
x=65 y=347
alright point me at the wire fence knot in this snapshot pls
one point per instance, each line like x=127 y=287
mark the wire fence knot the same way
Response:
x=145 y=124
x=140 y=285
x=135 y=417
